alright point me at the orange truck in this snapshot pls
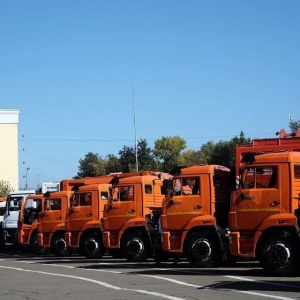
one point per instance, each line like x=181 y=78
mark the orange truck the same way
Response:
x=51 y=222
x=27 y=235
x=195 y=214
x=83 y=227
x=83 y=220
x=27 y=224
x=284 y=142
x=51 y=219
x=129 y=216
x=260 y=221
x=263 y=221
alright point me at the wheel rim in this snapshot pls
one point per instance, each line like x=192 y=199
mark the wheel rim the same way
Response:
x=201 y=250
x=278 y=255
x=60 y=245
x=135 y=247
x=91 y=246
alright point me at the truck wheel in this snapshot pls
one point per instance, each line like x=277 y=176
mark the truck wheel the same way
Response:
x=35 y=246
x=93 y=247
x=278 y=256
x=202 y=250
x=59 y=245
x=135 y=247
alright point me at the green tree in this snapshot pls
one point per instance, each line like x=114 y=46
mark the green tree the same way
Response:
x=222 y=154
x=127 y=159
x=191 y=158
x=145 y=157
x=5 y=188
x=224 y=151
x=146 y=160
x=92 y=165
x=113 y=164
x=207 y=151
x=167 y=150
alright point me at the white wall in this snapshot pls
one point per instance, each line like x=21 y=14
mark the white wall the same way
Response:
x=9 y=158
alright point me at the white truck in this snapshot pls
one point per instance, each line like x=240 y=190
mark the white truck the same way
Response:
x=9 y=224
x=50 y=187
x=2 y=209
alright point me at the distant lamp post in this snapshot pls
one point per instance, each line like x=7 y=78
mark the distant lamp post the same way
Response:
x=38 y=185
x=26 y=186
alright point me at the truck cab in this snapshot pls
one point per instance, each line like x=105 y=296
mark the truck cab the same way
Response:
x=195 y=214
x=127 y=221
x=51 y=222
x=2 y=208
x=27 y=224
x=262 y=216
x=83 y=226
x=9 y=225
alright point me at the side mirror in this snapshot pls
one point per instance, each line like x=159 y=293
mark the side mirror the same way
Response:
x=47 y=204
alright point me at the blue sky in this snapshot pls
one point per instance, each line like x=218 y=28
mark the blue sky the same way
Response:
x=203 y=70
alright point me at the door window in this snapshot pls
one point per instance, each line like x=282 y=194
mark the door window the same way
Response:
x=260 y=177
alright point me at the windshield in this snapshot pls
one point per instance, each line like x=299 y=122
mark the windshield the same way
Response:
x=31 y=210
x=14 y=203
x=33 y=204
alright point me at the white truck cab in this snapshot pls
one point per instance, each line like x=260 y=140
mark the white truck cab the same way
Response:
x=9 y=224
x=2 y=210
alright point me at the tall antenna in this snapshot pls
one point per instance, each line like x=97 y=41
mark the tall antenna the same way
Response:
x=134 y=123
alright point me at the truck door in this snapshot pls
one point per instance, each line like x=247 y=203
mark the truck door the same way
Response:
x=81 y=210
x=259 y=197
x=185 y=204
x=52 y=214
x=122 y=207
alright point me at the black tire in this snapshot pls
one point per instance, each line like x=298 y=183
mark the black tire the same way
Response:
x=92 y=246
x=135 y=247
x=59 y=245
x=34 y=246
x=279 y=257
x=203 y=250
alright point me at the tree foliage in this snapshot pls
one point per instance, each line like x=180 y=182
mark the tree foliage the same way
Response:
x=127 y=159
x=146 y=160
x=191 y=158
x=145 y=157
x=224 y=151
x=5 y=188
x=167 y=150
x=113 y=164
x=92 y=165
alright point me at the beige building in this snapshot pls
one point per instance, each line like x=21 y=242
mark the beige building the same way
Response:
x=9 y=158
